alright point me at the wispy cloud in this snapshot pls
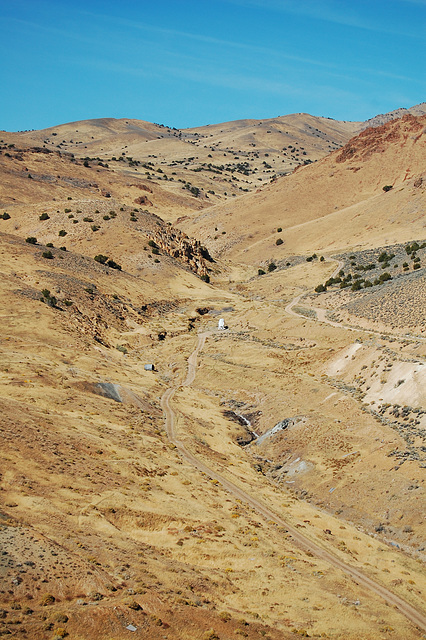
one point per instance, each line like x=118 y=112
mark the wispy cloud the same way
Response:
x=351 y=14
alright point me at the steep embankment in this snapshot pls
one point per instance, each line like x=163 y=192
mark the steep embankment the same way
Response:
x=336 y=203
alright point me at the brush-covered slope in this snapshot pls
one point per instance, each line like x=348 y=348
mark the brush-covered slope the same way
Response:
x=339 y=202
x=209 y=163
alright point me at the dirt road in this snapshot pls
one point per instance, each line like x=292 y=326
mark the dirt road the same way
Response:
x=416 y=617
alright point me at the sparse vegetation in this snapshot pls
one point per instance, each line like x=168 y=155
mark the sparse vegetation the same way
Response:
x=121 y=348
x=48 y=299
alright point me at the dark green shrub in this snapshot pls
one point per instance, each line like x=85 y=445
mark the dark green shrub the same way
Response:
x=101 y=258
x=48 y=299
x=71 y=216
x=151 y=243
x=5 y=216
x=106 y=218
x=356 y=286
x=86 y=163
x=87 y=219
x=412 y=248
x=278 y=241
x=48 y=255
x=320 y=288
x=49 y=244
x=272 y=266
x=416 y=265
x=62 y=248
x=67 y=210
x=206 y=278
x=322 y=259
x=387 y=187
x=156 y=251
x=31 y=240
x=44 y=216
x=261 y=272
x=95 y=227
x=62 y=233
x=113 y=265
x=279 y=229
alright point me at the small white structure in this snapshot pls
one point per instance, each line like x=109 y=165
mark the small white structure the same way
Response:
x=221 y=324
x=149 y=367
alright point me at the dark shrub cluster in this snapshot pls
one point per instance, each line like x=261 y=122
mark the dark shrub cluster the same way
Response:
x=107 y=262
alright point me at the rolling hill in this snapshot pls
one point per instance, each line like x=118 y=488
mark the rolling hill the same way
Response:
x=262 y=481
x=338 y=203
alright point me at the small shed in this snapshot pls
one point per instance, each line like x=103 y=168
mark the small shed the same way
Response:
x=221 y=324
x=149 y=367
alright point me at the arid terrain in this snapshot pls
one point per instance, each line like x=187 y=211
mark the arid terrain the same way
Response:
x=262 y=481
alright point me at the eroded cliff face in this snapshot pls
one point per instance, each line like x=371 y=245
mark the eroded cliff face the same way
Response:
x=377 y=139
x=178 y=245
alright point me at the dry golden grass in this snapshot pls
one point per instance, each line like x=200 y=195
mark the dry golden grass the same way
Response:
x=103 y=523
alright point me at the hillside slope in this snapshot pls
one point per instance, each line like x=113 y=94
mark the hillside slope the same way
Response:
x=337 y=203
x=129 y=497
x=217 y=161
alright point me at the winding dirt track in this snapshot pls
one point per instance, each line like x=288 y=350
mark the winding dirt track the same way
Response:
x=416 y=617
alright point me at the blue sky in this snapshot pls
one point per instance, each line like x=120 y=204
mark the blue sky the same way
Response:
x=187 y=63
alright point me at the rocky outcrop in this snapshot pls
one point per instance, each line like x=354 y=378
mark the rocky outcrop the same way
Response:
x=377 y=139
x=178 y=245
x=143 y=200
